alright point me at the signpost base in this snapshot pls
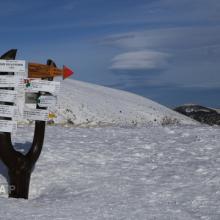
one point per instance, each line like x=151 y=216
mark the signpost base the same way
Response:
x=19 y=165
x=19 y=181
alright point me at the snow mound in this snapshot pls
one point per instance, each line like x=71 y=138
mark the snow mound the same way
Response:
x=85 y=104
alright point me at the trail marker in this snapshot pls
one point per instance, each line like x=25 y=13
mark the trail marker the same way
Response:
x=12 y=66
x=47 y=101
x=36 y=85
x=31 y=98
x=7 y=111
x=8 y=126
x=36 y=70
x=36 y=114
x=42 y=101
x=8 y=81
x=8 y=95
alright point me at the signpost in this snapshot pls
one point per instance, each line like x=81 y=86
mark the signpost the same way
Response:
x=15 y=90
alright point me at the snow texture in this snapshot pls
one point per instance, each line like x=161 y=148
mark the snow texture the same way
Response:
x=86 y=105
x=153 y=173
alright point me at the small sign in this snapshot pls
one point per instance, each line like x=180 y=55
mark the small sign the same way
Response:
x=8 y=81
x=37 y=85
x=21 y=74
x=52 y=115
x=7 y=111
x=47 y=101
x=8 y=95
x=36 y=70
x=36 y=114
x=8 y=126
x=31 y=98
x=12 y=65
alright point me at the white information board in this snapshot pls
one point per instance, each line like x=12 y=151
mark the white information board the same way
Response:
x=12 y=65
x=8 y=126
x=35 y=114
x=37 y=85
x=7 y=95
x=9 y=81
x=7 y=111
x=47 y=101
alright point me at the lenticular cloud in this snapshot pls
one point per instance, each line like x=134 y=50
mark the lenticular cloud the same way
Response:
x=140 y=60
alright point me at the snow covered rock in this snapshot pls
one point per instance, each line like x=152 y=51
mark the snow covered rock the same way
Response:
x=84 y=104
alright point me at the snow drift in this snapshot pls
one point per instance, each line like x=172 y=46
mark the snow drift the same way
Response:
x=84 y=104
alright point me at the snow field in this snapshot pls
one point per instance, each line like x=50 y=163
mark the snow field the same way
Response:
x=159 y=173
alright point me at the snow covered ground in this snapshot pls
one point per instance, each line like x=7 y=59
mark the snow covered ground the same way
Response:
x=160 y=173
x=85 y=104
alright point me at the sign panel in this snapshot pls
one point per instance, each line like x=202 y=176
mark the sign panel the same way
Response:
x=12 y=65
x=47 y=101
x=8 y=126
x=31 y=98
x=36 y=114
x=8 y=95
x=36 y=70
x=8 y=81
x=7 y=111
x=21 y=74
x=42 y=101
x=42 y=86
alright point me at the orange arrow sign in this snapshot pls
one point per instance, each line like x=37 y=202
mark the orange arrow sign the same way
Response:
x=36 y=70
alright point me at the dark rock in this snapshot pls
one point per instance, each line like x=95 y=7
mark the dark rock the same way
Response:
x=199 y=113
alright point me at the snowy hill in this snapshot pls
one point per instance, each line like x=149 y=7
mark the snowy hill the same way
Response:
x=84 y=104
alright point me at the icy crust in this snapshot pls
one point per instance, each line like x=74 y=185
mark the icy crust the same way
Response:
x=84 y=104
x=153 y=173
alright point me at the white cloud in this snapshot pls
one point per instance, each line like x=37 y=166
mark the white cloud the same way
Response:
x=139 y=60
x=166 y=38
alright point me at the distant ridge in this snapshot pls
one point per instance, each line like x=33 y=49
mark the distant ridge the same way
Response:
x=200 y=113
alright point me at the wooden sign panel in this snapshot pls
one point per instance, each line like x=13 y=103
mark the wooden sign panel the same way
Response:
x=36 y=70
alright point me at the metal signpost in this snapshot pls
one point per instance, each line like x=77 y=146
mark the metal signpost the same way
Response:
x=15 y=91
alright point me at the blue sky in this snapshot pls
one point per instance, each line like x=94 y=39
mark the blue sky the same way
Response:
x=166 y=50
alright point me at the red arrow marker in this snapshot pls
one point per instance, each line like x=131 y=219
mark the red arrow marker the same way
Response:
x=67 y=72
